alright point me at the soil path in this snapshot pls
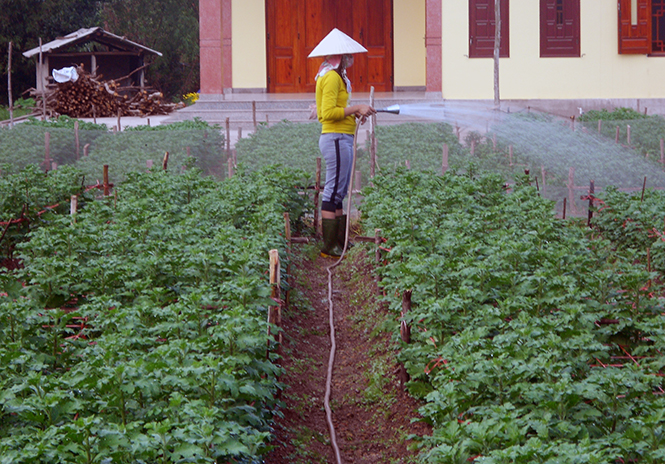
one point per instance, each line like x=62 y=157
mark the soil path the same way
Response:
x=371 y=412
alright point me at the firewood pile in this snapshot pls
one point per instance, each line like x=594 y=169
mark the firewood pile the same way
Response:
x=90 y=97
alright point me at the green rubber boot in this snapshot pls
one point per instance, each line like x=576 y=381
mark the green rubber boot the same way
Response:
x=341 y=232
x=330 y=247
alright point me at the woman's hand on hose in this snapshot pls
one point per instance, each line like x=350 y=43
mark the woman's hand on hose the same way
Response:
x=360 y=111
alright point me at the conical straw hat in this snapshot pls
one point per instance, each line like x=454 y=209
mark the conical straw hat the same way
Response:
x=337 y=43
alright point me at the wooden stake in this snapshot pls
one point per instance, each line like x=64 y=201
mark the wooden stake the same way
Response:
x=230 y=167
x=94 y=114
x=73 y=207
x=47 y=149
x=644 y=186
x=287 y=236
x=405 y=333
x=473 y=147
x=317 y=192
x=228 y=137
x=107 y=187
x=600 y=125
x=542 y=174
x=43 y=81
x=254 y=114
x=407 y=163
x=9 y=86
x=592 y=190
x=239 y=133
x=564 y=208
x=377 y=242
x=616 y=136
x=86 y=149
x=275 y=282
x=119 y=125
x=165 y=161
x=571 y=188
x=76 y=139
x=628 y=134
x=444 y=160
x=358 y=181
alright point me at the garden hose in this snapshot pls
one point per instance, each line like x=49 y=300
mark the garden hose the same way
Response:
x=333 y=345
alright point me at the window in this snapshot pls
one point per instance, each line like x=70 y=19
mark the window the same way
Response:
x=560 y=28
x=642 y=27
x=482 y=29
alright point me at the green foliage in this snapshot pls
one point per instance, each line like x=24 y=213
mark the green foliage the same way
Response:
x=21 y=108
x=508 y=344
x=140 y=334
x=286 y=143
x=124 y=152
x=617 y=114
x=168 y=26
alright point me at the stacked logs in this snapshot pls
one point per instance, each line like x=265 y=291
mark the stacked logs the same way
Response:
x=91 y=97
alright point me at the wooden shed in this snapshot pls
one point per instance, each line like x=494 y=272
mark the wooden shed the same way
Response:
x=100 y=52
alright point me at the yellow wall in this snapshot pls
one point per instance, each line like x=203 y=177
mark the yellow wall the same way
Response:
x=249 y=44
x=599 y=73
x=409 y=43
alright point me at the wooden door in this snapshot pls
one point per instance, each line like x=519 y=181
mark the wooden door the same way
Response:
x=295 y=27
x=482 y=22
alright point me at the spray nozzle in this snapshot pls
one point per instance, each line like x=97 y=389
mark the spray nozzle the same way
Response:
x=394 y=109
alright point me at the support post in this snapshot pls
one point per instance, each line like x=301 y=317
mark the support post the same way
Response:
x=592 y=190
x=165 y=161
x=317 y=192
x=73 y=207
x=76 y=139
x=107 y=187
x=9 y=86
x=254 y=113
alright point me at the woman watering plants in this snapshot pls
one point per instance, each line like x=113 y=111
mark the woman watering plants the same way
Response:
x=338 y=120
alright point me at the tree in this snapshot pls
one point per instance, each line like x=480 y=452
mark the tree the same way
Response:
x=23 y=22
x=168 y=26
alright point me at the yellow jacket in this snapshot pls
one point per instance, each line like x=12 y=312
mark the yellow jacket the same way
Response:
x=331 y=99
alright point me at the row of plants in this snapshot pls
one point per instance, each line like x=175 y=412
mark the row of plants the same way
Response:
x=136 y=330
x=124 y=152
x=531 y=340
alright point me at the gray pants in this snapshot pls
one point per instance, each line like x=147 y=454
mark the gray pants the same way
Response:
x=337 y=151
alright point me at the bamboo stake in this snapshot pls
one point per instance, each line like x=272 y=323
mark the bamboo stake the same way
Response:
x=119 y=125
x=9 y=86
x=165 y=161
x=76 y=139
x=287 y=236
x=473 y=147
x=228 y=138
x=47 y=149
x=275 y=279
x=254 y=113
x=405 y=333
x=628 y=134
x=73 y=207
x=571 y=188
x=43 y=81
x=444 y=160
x=230 y=167
x=616 y=136
x=317 y=191
x=600 y=125
x=592 y=190
x=86 y=149
x=644 y=186
x=564 y=208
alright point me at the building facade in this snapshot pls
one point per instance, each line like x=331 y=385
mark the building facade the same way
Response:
x=551 y=49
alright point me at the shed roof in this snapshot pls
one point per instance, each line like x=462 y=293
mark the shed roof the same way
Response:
x=96 y=34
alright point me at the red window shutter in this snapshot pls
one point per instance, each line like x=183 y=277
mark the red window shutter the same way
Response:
x=482 y=27
x=634 y=38
x=559 y=28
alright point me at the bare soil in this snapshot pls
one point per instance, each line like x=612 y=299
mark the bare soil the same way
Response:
x=372 y=413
